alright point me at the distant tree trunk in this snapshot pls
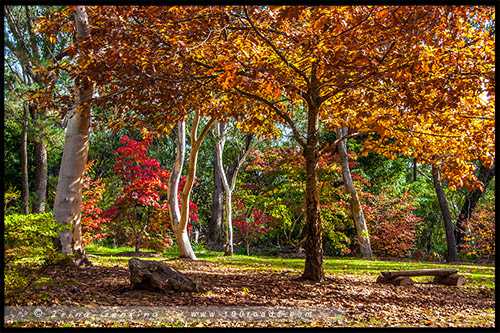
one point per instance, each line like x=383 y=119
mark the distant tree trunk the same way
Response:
x=414 y=169
x=215 y=226
x=356 y=210
x=219 y=148
x=67 y=206
x=445 y=212
x=471 y=200
x=41 y=176
x=229 y=180
x=24 y=162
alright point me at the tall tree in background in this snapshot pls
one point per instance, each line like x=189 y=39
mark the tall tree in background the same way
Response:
x=228 y=177
x=470 y=202
x=451 y=243
x=215 y=226
x=356 y=210
x=32 y=51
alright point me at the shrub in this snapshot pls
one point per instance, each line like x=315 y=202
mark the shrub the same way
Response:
x=93 y=218
x=29 y=246
x=479 y=241
x=391 y=223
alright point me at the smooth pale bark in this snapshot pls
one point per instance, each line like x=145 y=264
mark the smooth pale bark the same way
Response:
x=471 y=200
x=445 y=213
x=67 y=205
x=229 y=180
x=215 y=226
x=24 y=162
x=180 y=232
x=175 y=175
x=181 y=217
x=356 y=210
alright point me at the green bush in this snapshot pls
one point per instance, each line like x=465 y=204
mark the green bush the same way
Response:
x=29 y=246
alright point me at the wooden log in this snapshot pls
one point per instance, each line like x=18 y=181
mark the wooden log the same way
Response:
x=382 y=279
x=420 y=272
x=450 y=280
x=402 y=281
x=157 y=276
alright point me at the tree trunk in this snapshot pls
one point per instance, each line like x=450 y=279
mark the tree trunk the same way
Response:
x=356 y=210
x=229 y=179
x=185 y=249
x=67 y=205
x=471 y=200
x=180 y=231
x=313 y=246
x=40 y=177
x=215 y=223
x=229 y=248
x=40 y=161
x=414 y=169
x=137 y=244
x=175 y=175
x=24 y=162
x=445 y=212
x=219 y=148
x=248 y=247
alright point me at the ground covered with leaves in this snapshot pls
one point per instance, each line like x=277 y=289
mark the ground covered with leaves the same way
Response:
x=241 y=281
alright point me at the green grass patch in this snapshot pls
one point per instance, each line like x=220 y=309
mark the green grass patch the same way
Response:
x=476 y=275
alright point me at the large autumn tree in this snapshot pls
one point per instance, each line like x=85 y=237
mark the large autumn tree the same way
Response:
x=363 y=68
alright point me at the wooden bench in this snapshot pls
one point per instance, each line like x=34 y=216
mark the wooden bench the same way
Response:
x=447 y=277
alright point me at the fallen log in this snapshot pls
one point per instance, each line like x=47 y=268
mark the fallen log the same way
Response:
x=157 y=276
x=420 y=272
x=450 y=280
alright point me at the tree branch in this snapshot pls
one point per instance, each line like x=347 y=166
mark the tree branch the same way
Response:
x=300 y=139
x=275 y=49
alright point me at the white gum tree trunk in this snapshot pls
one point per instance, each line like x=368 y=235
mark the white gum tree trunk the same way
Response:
x=67 y=205
x=180 y=216
x=229 y=180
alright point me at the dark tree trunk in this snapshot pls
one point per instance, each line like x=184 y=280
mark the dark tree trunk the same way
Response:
x=471 y=200
x=313 y=246
x=414 y=169
x=24 y=162
x=215 y=232
x=445 y=212
x=313 y=269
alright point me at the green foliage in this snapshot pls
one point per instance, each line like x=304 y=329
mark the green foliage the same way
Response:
x=11 y=197
x=29 y=245
x=337 y=231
